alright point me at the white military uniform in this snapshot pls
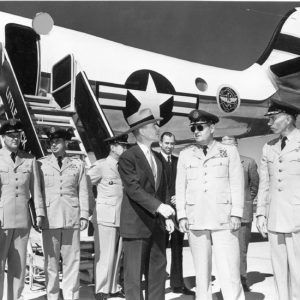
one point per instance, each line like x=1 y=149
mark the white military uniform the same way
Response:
x=279 y=202
x=106 y=218
x=65 y=191
x=210 y=189
x=18 y=182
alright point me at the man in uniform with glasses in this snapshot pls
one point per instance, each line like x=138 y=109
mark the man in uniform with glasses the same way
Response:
x=209 y=202
x=19 y=181
x=278 y=200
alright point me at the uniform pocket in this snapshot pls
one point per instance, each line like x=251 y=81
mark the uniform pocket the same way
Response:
x=4 y=174
x=106 y=213
x=192 y=171
x=223 y=201
x=49 y=179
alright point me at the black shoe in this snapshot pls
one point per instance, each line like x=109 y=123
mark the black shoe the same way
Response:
x=101 y=296
x=119 y=294
x=182 y=290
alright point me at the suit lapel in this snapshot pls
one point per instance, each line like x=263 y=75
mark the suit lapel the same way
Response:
x=65 y=163
x=19 y=161
x=159 y=170
x=291 y=144
x=53 y=163
x=144 y=163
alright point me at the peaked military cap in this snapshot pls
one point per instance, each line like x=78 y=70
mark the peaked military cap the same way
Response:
x=278 y=107
x=198 y=116
x=11 y=125
x=56 y=133
x=118 y=139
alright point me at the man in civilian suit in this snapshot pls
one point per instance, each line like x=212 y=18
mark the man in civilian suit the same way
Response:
x=251 y=180
x=143 y=211
x=169 y=161
x=278 y=200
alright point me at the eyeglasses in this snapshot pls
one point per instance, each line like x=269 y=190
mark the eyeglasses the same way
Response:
x=199 y=127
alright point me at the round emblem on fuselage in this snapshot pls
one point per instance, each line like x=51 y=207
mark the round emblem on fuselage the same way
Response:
x=228 y=99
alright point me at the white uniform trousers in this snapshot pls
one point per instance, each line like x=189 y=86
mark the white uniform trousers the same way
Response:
x=108 y=250
x=285 y=257
x=227 y=261
x=64 y=242
x=13 y=248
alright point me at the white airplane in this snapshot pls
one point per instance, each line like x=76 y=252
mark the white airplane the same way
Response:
x=125 y=79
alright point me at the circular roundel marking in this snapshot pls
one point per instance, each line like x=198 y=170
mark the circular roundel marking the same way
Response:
x=149 y=89
x=228 y=99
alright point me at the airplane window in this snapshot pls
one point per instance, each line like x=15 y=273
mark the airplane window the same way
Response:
x=201 y=84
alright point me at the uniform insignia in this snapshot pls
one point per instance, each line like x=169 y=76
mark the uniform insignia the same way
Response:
x=111 y=183
x=195 y=115
x=52 y=130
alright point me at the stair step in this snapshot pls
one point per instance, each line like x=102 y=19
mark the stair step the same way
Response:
x=41 y=105
x=51 y=111
x=55 y=124
x=50 y=118
x=38 y=99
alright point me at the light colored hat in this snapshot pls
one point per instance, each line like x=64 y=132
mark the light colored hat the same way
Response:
x=140 y=118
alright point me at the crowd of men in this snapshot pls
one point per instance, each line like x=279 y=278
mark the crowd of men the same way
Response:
x=146 y=200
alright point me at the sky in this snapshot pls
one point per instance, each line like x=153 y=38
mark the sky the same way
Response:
x=224 y=34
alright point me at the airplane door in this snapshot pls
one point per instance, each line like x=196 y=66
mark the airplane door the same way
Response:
x=23 y=47
x=94 y=125
x=62 y=79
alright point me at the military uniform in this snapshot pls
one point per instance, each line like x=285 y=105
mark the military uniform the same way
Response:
x=106 y=218
x=65 y=191
x=209 y=190
x=19 y=181
x=279 y=202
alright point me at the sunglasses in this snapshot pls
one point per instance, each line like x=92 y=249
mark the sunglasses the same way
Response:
x=199 y=127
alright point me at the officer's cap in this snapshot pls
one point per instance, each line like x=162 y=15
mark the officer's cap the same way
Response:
x=198 y=116
x=278 y=107
x=56 y=133
x=11 y=125
x=118 y=139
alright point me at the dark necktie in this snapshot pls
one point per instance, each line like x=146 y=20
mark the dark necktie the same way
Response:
x=204 y=149
x=59 y=161
x=13 y=156
x=283 y=142
x=169 y=159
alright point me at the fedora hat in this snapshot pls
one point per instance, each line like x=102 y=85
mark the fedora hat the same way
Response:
x=140 y=118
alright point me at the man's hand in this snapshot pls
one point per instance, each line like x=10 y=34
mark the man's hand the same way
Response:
x=173 y=200
x=235 y=223
x=165 y=210
x=40 y=222
x=184 y=225
x=170 y=225
x=261 y=224
x=83 y=224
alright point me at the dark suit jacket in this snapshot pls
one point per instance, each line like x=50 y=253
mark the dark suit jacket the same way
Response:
x=172 y=178
x=251 y=186
x=141 y=200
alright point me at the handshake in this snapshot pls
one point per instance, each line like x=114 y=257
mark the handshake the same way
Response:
x=165 y=210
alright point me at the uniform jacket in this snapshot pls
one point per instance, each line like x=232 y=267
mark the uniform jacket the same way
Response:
x=18 y=182
x=279 y=186
x=141 y=199
x=251 y=180
x=65 y=191
x=209 y=189
x=104 y=174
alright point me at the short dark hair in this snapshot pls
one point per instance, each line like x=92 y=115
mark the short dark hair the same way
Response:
x=167 y=133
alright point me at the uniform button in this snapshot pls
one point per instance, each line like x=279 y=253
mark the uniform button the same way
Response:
x=205 y=173
x=279 y=180
x=280 y=161
x=279 y=190
x=17 y=187
x=16 y=178
x=61 y=188
x=17 y=195
x=61 y=195
x=205 y=191
x=280 y=170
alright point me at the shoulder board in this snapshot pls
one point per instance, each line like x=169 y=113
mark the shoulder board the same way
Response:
x=189 y=147
x=273 y=142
